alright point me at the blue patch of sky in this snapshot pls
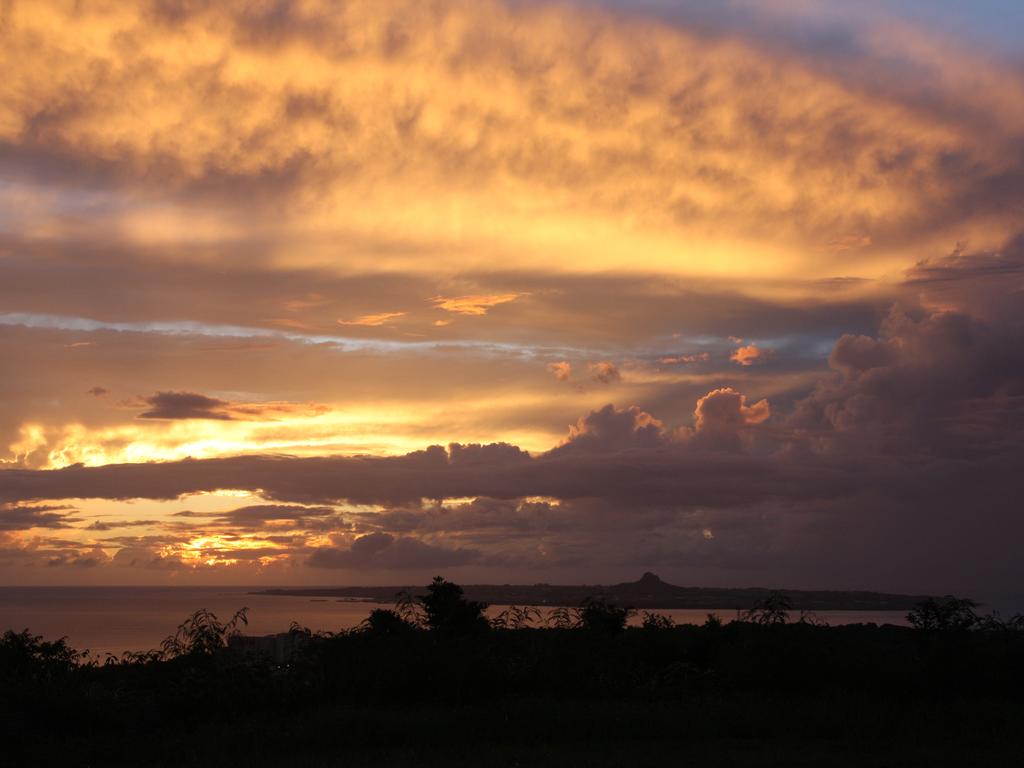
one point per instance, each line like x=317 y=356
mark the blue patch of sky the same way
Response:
x=993 y=24
x=795 y=345
x=807 y=346
x=340 y=343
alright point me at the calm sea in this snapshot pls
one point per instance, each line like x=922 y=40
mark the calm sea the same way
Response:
x=115 y=619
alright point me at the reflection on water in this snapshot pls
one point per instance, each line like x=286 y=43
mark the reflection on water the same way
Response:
x=117 y=619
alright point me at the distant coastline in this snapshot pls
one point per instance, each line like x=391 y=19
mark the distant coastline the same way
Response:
x=649 y=592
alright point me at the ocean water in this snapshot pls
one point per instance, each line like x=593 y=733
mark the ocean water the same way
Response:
x=115 y=619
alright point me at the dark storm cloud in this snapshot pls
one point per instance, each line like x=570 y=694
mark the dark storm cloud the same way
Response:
x=15 y=517
x=382 y=550
x=257 y=514
x=946 y=384
x=962 y=266
x=475 y=520
x=77 y=560
x=177 y=406
x=141 y=555
x=185 y=405
x=723 y=421
x=264 y=517
x=988 y=284
x=638 y=476
x=105 y=525
x=612 y=429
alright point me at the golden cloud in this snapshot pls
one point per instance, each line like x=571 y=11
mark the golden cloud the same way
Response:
x=388 y=134
x=474 y=305
x=374 y=320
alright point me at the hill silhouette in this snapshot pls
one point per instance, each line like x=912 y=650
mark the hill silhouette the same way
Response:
x=648 y=592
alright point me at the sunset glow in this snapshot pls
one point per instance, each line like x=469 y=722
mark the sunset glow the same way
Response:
x=520 y=290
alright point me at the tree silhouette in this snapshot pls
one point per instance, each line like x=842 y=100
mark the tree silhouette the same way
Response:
x=994 y=622
x=203 y=634
x=447 y=610
x=22 y=653
x=409 y=609
x=943 y=614
x=657 y=621
x=774 y=609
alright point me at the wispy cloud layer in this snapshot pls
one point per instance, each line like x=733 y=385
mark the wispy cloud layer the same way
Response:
x=380 y=132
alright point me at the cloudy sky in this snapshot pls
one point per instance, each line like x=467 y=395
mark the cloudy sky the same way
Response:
x=345 y=291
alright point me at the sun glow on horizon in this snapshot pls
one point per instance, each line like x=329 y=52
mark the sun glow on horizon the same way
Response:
x=388 y=431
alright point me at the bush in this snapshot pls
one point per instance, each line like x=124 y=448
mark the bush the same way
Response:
x=24 y=655
x=600 y=616
x=384 y=621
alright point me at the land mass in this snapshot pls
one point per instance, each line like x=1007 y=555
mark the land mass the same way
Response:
x=649 y=592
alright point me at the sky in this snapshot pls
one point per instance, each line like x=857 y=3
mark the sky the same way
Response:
x=324 y=292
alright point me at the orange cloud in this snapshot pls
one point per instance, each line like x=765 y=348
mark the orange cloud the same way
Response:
x=604 y=372
x=373 y=320
x=726 y=409
x=749 y=355
x=561 y=370
x=474 y=305
x=310 y=301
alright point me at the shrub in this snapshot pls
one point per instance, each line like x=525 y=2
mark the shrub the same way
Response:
x=563 y=618
x=384 y=621
x=601 y=616
x=515 y=617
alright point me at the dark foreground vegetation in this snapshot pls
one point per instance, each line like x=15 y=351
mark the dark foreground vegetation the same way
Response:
x=433 y=682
